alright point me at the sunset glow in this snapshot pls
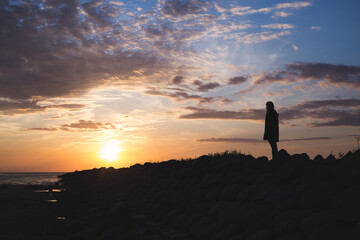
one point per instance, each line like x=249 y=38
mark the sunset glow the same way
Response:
x=87 y=83
x=110 y=151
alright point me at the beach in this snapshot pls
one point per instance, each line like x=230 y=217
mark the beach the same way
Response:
x=30 y=212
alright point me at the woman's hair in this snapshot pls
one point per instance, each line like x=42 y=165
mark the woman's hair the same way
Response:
x=270 y=105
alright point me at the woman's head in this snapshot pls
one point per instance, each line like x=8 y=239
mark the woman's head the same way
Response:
x=269 y=105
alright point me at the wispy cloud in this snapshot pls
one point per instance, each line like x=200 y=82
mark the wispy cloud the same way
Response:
x=293 y=5
x=278 y=26
x=180 y=95
x=237 y=80
x=12 y=107
x=339 y=112
x=256 y=140
x=80 y=126
x=205 y=87
x=278 y=14
x=301 y=72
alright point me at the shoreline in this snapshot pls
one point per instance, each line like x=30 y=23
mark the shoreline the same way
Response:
x=26 y=211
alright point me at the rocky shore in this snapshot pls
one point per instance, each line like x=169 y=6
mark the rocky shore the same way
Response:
x=30 y=212
x=227 y=196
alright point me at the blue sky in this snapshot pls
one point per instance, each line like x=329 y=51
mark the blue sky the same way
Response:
x=173 y=78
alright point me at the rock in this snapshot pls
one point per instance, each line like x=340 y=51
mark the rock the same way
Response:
x=236 y=237
x=262 y=235
x=315 y=173
x=232 y=212
x=346 y=172
x=318 y=196
x=314 y=220
x=292 y=169
x=288 y=221
x=230 y=192
x=290 y=236
x=284 y=197
x=334 y=231
x=354 y=233
x=262 y=187
x=254 y=217
x=318 y=158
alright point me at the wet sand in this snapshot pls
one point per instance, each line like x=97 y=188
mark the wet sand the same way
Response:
x=27 y=213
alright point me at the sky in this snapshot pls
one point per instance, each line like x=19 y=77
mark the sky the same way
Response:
x=87 y=84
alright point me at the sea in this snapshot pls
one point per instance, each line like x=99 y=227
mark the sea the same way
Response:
x=29 y=178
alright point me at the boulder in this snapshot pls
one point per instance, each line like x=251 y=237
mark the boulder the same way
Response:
x=332 y=231
x=289 y=221
x=318 y=196
x=262 y=235
x=346 y=172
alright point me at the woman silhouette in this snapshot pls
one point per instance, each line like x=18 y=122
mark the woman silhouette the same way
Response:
x=272 y=128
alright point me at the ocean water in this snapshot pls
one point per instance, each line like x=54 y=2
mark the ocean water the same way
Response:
x=29 y=178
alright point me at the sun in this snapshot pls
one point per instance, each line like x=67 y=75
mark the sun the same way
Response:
x=110 y=151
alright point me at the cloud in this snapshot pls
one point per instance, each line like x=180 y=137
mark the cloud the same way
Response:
x=180 y=96
x=281 y=14
x=202 y=113
x=295 y=47
x=41 y=129
x=87 y=125
x=8 y=107
x=260 y=37
x=283 y=92
x=179 y=8
x=338 y=74
x=339 y=112
x=231 y=140
x=246 y=10
x=177 y=80
x=237 y=80
x=53 y=48
x=205 y=87
x=278 y=26
x=254 y=140
x=12 y=107
x=294 y=5
x=301 y=72
x=60 y=48
x=315 y=28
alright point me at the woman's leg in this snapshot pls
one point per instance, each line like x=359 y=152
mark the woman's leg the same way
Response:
x=274 y=148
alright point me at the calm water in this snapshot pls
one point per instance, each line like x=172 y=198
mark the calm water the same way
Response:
x=29 y=178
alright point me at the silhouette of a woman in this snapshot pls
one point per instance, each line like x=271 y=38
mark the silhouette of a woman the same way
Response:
x=272 y=128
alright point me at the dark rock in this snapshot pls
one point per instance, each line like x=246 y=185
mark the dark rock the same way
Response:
x=262 y=235
x=290 y=236
x=230 y=192
x=314 y=220
x=222 y=196
x=346 y=172
x=315 y=173
x=236 y=237
x=318 y=158
x=330 y=160
x=288 y=221
x=284 y=197
x=292 y=169
x=318 y=196
x=262 y=187
x=334 y=231
x=354 y=233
